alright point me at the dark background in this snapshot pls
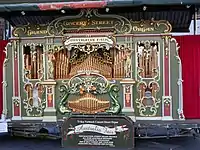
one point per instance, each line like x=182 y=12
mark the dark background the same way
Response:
x=16 y=143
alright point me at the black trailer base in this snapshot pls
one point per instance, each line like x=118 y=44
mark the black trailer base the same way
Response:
x=143 y=129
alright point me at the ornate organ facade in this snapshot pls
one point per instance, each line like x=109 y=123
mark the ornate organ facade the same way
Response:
x=104 y=68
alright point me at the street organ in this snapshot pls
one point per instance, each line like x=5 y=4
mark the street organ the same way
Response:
x=92 y=63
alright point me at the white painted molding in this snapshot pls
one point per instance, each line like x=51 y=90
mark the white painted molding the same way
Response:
x=49 y=119
x=32 y=118
x=148 y=118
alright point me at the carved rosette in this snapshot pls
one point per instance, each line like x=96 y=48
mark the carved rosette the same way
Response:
x=16 y=106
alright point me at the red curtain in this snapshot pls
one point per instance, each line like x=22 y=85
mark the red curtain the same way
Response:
x=3 y=44
x=190 y=56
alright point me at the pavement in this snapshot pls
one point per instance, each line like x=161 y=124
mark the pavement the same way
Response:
x=16 y=143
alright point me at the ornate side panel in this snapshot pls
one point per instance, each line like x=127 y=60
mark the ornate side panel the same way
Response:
x=33 y=66
x=148 y=66
x=16 y=99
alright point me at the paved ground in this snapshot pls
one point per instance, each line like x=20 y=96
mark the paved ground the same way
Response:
x=8 y=143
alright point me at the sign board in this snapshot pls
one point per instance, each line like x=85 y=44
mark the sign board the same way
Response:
x=98 y=131
x=3 y=127
x=91 y=20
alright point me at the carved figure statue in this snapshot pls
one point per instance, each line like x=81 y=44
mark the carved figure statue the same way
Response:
x=51 y=59
x=127 y=58
x=35 y=97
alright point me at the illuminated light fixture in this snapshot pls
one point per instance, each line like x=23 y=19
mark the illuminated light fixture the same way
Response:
x=63 y=11
x=144 y=8
x=107 y=9
x=23 y=13
x=188 y=6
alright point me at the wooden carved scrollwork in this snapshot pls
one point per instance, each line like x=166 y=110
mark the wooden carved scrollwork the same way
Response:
x=88 y=19
x=89 y=93
x=147 y=101
x=123 y=62
x=34 y=103
x=147 y=59
x=33 y=61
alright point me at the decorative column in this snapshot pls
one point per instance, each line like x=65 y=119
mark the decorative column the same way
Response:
x=166 y=98
x=16 y=100
x=128 y=97
x=179 y=82
x=50 y=111
x=4 y=83
x=49 y=83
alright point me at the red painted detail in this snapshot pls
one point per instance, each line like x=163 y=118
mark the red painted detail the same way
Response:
x=128 y=100
x=16 y=110
x=16 y=79
x=50 y=100
x=75 y=5
x=166 y=68
x=167 y=110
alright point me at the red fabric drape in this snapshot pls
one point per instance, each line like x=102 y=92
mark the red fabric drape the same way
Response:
x=3 y=44
x=190 y=56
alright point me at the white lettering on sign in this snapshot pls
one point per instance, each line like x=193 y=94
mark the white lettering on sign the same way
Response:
x=89 y=40
x=98 y=129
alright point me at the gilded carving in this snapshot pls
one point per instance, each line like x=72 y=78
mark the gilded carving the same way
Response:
x=30 y=30
x=85 y=93
x=90 y=19
x=93 y=20
x=166 y=44
x=128 y=62
x=151 y=26
x=34 y=103
x=33 y=57
x=147 y=63
x=50 y=63
x=147 y=101
x=16 y=102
